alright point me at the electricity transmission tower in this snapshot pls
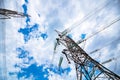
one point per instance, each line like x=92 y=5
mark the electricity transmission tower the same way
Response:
x=86 y=67
x=7 y=14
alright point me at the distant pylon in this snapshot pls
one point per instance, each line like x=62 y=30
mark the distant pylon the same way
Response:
x=6 y=14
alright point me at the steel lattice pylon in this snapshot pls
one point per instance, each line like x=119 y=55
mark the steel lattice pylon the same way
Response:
x=86 y=67
x=6 y=14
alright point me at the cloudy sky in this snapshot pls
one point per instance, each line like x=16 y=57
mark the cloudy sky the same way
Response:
x=30 y=41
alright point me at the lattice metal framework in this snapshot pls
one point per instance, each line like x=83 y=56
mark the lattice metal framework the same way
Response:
x=86 y=67
x=7 y=14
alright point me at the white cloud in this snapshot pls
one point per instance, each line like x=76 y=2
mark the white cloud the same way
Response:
x=67 y=14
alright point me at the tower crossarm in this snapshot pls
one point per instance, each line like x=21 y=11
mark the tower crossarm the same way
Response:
x=10 y=13
x=86 y=67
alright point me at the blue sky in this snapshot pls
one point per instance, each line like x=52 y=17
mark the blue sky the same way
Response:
x=30 y=40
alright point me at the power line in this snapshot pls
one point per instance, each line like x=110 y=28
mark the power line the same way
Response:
x=96 y=50
x=111 y=59
x=104 y=28
x=78 y=23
